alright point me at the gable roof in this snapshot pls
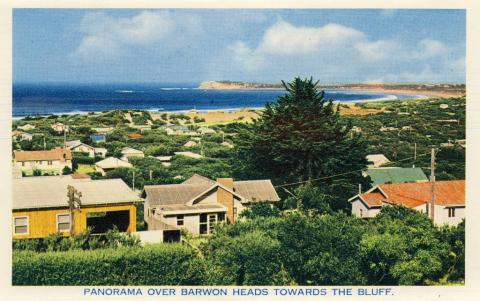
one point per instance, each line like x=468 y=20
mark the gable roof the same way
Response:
x=198 y=186
x=129 y=150
x=256 y=190
x=447 y=193
x=112 y=162
x=51 y=191
x=198 y=179
x=47 y=155
x=173 y=194
x=377 y=159
x=76 y=143
x=394 y=175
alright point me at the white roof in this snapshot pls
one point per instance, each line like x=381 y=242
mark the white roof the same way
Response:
x=189 y=154
x=112 y=162
x=76 y=143
x=129 y=150
x=377 y=159
x=51 y=191
x=164 y=158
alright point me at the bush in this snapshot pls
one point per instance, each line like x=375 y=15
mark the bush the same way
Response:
x=162 y=264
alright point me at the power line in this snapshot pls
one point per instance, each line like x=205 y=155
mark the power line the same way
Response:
x=345 y=173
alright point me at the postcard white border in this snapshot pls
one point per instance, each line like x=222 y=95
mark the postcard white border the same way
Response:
x=472 y=284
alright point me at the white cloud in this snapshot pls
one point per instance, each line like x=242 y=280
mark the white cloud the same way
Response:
x=113 y=36
x=285 y=38
x=336 y=51
x=378 y=50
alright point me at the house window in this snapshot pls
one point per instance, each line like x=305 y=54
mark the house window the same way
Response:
x=180 y=220
x=451 y=212
x=203 y=223
x=361 y=212
x=23 y=164
x=221 y=217
x=49 y=162
x=212 y=221
x=20 y=225
x=63 y=222
x=235 y=212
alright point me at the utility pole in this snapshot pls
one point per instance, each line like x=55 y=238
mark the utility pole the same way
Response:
x=432 y=180
x=133 y=181
x=414 y=154
x=74 y=202
x=65 y=136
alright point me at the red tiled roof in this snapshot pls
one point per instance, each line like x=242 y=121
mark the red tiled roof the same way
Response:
x=415 y=194
x=135 y=136
x=49 y=155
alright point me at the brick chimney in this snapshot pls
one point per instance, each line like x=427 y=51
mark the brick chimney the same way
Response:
x=226 y=198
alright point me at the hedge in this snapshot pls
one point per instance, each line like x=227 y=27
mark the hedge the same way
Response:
x=163 y=264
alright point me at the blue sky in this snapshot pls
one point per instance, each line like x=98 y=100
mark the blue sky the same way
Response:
x=189 y=46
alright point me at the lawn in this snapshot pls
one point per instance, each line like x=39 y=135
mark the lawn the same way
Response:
x=85 y=168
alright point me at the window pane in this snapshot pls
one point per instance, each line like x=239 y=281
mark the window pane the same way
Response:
x=64 y=218
x=203 y=229
x=221 y=217
x=203 y=218
x=20 y=229
x=20 y=221
x=63 y=226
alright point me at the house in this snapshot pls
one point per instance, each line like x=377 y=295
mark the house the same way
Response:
x=356 y=129
x=179 y=130
x=20 y=136
x=97 y=138
x=26 y=127
x=103 y=130
x=128 y=152
x=199 y=203
x=110 y=163
x=387 y=129
x=443 y=106
x=189 y=155
x=377 y=160
x=135 y=136
x=77 y=146
x=449 y=199
x=382 y=175
x=205 y=131
x=227 y=144
x=142 y=128
x=40 y=206
x=165 y=160
x=190 y=144
x=60 y=127
x=54 y=160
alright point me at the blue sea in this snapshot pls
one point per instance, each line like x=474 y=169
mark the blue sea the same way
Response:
x=47 y=99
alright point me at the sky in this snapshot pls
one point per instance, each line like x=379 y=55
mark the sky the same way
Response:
x=195 y=45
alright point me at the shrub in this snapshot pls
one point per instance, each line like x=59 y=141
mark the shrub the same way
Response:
x=161 y=264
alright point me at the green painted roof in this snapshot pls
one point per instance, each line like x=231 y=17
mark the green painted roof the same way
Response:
x=396 y=175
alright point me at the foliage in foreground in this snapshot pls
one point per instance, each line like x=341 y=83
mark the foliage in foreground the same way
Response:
x=84 y=241
x=398 y=247
x=167 y=264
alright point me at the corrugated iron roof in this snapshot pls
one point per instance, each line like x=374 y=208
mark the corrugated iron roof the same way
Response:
x=256 y=190
x=394 y=175
x=47 y=155
x=51 y=191
x=415 y=194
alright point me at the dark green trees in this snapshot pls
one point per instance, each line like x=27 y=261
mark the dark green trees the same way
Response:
x=300 y=137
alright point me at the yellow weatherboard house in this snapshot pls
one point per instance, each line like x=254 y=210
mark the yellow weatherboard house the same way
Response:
x=41 y=206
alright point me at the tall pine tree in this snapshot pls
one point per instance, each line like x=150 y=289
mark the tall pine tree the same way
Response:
x=301 y=137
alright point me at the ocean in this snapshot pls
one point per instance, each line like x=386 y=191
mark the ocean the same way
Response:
x=47 y=99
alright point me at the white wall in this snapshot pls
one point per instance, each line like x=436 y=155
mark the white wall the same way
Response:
x=441 y=215
x=360 y=210
x=56 y=165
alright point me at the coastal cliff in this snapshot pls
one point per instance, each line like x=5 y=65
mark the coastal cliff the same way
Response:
x=230 y=85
